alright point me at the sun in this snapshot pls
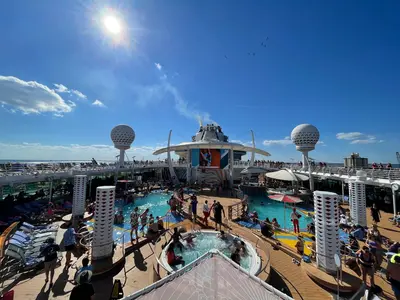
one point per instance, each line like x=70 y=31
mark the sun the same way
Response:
x=112 y=25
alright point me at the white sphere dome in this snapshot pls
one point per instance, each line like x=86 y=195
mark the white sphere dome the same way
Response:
x=361 y=174
x=305 y=137
x=122 y=137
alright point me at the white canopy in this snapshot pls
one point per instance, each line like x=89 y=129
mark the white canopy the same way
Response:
x=211 y=145
x=212 y=278
x=253 y=170
x=286 y=175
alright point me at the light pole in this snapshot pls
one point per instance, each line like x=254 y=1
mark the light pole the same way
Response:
x=311 y=179
x=133 y=166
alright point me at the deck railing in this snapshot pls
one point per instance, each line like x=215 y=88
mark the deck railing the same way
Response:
x=390 y=174
x=236 y=210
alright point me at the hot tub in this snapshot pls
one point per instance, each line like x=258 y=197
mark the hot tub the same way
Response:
x=207 y=240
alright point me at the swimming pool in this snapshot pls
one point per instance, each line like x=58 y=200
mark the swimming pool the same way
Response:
x=207 y=240
x=156 y=202
x=267 y=208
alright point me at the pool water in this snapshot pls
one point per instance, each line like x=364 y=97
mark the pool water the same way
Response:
x=267 y=208
x=204 y=242
x=157 y=204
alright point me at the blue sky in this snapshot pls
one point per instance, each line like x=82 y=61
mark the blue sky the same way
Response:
x=65 y=81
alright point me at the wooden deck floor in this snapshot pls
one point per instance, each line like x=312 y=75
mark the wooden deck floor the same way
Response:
x=138 y=272
x=297 y=281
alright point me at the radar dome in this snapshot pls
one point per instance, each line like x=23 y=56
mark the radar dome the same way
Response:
x=361 y=174
x=305 y=137
x=122 y=137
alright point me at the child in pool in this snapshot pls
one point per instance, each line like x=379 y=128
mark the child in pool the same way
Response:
x=189 y=240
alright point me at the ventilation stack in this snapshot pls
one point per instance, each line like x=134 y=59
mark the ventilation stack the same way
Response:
x=326 y=206
x=79 y=197
x=358 y=199
x=103 y=225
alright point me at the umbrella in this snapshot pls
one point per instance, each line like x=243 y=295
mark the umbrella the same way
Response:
x=287 y=175
x=285 y=198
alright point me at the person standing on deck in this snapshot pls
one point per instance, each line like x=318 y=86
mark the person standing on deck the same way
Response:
x=69 y=243
x=206 y=213
x=135 y=223
x=375 y=214
x=193 y=204
x=218 y=210
x=294 y=216
x=50 y=259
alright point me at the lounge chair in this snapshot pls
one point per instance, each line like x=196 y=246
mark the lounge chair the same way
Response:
x=32 y=239
x=40 y=227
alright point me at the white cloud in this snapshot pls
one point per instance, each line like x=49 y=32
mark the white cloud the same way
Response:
x=358 y=138
x=98 y=103
x=37 y=151
x=158 y=66
x=242 y=143
x=79 y=94
x=60 y=88
x=31 y=97
x=348 y=135
x=284 y=142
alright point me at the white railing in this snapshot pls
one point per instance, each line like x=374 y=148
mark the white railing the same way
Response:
x=390 y=174
x=13 y=172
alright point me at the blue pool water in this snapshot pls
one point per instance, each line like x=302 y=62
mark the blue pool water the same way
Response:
x=155 y=202
x=204 y=242
x=267 y=208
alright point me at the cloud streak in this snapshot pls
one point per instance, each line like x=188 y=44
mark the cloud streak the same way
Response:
x=164 y=90
x=60 y=88
x=284 y=142
x=358 y=138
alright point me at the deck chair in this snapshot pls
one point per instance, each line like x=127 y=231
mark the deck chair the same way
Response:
x=30 y=251
x=26 y=262
x=32 y=228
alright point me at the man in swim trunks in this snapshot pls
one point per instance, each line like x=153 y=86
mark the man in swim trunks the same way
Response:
x=218 y=210
x=143 y=220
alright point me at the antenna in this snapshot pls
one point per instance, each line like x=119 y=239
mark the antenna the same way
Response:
x=398 y=157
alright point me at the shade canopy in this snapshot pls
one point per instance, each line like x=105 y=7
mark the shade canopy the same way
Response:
x=212 y=278
x=211 y=145
x=285 y=198
x=286 y=175
x=253 y=170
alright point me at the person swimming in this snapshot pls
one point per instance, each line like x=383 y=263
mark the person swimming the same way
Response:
x=189 y=240
x=222 y=235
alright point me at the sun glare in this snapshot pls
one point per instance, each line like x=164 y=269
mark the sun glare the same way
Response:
x=112 y=25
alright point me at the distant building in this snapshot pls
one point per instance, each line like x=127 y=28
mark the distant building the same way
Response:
x=355 y=161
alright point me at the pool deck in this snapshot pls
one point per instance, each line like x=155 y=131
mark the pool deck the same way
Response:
x=139 y=267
